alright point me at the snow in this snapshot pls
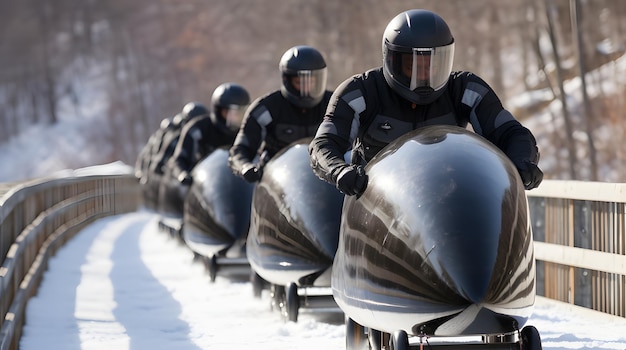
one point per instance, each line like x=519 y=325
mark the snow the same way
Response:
x=123 y=284
x=45 y=149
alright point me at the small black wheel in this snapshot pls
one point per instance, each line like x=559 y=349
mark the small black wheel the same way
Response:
x=356 y=339
x=257 y=284
x=213 y=267
x=530 y=338
x=292 y=302
x=399 y=341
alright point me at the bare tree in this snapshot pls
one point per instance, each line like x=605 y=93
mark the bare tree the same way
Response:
x=147 y=59
x=569 y=131
x=582 y=68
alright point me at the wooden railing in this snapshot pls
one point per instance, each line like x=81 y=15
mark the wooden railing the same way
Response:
x=580 y=243
x=38 y=217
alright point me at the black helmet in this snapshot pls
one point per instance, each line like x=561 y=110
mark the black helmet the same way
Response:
x=194 y=109
x=304 y=73
x=418 y=51
x=178 y=120
x=166 y=123
x=229 y=102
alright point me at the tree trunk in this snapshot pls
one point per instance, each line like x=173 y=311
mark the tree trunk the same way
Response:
x=575 y=16
x=571 y=146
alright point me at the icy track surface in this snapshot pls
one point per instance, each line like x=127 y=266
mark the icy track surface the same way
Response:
x=123 y=284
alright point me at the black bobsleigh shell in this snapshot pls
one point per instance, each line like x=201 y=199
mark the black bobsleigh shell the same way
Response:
x=295 y=220
x=217 y=207
x=440 y=242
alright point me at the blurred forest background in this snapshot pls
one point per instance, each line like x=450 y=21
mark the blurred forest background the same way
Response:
x=136 y=62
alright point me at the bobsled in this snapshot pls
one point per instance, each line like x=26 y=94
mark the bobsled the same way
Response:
x=216 y=216
x=294 y=231
x=438 y=247
x=150 y=183
x=170 y=198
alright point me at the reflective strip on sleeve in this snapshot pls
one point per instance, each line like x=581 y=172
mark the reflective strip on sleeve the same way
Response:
x=503 y=117
x=196 y=134
x=472 y=96
x=356 y=101
x=326 y=127
x=262 y=116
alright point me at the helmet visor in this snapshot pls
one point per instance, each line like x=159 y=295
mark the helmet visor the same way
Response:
x=306 y=84
x=233 y=116
x=421 y=67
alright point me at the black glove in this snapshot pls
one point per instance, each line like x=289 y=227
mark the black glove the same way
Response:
x=184 y=178
x=530 y=173
x=352 y=180
x=251 y=173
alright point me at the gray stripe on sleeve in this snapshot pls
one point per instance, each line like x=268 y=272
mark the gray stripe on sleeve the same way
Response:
x=356 y=101
x=471 y=97
x=503 y=117
x=326 y=127
x=262 y=116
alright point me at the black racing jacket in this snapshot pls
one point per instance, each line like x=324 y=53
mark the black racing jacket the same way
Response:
x=165 y=148
x=272 y=123
x=198 y=138
x=148 y=152
x=365 y=114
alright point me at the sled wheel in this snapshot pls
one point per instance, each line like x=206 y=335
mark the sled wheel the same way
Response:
x=375 y=338
x=292 y=302
x=356 y=338
x=257 y=284
x=530 y=339
x=399 y=341
x=212 y=265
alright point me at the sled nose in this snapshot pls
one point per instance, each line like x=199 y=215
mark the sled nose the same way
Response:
x=464 y=257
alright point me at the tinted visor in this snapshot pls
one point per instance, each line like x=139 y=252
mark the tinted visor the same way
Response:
x=232 y=116
x=306 y=84
x=420 y=67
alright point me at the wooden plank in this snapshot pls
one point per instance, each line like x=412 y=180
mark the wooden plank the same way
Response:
x=579 y=257
x=582 y=190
